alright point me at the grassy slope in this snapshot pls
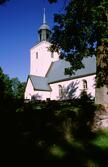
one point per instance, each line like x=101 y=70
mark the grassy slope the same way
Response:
x=48 y=135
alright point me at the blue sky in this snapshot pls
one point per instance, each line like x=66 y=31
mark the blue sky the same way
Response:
x=19 y=23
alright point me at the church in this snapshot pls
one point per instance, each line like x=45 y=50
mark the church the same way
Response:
x=47 y=79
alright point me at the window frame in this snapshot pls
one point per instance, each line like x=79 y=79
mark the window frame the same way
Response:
x=36 y=55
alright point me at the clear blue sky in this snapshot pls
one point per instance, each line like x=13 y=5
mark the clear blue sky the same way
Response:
x=19 y=23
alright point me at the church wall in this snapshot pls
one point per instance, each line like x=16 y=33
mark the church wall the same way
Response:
x=90 y=86
x=42 y=95
x=54 y=94
x=41 y=58
x=29 y=91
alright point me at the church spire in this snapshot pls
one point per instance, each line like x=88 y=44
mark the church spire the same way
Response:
x=44 y=17
x=44 y=30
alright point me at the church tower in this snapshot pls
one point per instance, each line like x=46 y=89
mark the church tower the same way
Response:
x=47 y=78
x=44 y=30
x=40 y=55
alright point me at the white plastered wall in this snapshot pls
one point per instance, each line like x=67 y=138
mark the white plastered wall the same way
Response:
x=29 y=92
x=90 y=82
x=54 y=94
x=39 y=66
x=43 y=94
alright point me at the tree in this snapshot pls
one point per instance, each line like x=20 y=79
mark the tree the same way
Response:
x=2 y=87
x=36 y=97
x=82 y=31
x=18 y=88
x=3 y=1
x=6 y=93
x=52 y=1
x=5 y=86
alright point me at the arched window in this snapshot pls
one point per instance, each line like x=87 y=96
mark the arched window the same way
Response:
x=85 y=84
x=36 y=55
x=60 y=90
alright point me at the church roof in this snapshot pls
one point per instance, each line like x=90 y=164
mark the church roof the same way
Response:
x=44 y=27
x=39 y=83
x=57 y=70
x=56 y=73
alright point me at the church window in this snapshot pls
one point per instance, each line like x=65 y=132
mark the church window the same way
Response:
x=47 y=36
x=52 y=54
x=60 y=90
x=36 y=55
x=84 y=84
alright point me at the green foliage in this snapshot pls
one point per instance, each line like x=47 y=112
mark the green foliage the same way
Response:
x=10 y=88
x=5 y=86
x=3 y=1
x=18 y=88
x=44 y=131
x=1 y=83
x=57 y=151
x=86 y=98
x=85 y=117
x=101 y=139
x=102 y=65
x=11 y=93
x=52 y=1
x=79 y=31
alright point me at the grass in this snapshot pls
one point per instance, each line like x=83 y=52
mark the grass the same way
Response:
x=57 y=151
x=55 y=135
x=89 y=153
x=101 y=139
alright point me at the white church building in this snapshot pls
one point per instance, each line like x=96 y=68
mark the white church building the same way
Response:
x=47 y=78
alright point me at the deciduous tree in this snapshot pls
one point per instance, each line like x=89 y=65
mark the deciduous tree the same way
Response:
x=82 y=31
x=3 y=1
x=18 y=88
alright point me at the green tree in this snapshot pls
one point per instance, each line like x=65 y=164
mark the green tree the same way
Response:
x=6 y=93
x=11 y=93
x=52 y=1
x=21 y=89
x=5 y=86
x=2 y=87
x=18 y=88
x=82 y=31
x=3 y=1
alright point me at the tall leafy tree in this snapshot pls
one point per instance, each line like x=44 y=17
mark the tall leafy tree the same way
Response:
x=3 y=1
x=82 y=31
x=18 y=88
x=11 y=93
x=2 y=87
x=5 y=86
x=6 y=93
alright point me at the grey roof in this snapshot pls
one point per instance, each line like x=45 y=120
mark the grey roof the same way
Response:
x=44 y=27
x=56 y=73
x=39 y=83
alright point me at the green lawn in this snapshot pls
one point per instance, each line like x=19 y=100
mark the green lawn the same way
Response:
x=101 y=139
x=89 y=153
x=60 y=132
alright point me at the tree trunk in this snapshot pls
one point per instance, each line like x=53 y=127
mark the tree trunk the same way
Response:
x=101 y=95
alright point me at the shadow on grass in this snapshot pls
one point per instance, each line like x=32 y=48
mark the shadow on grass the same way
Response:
x=40 y=132
x=43 y=144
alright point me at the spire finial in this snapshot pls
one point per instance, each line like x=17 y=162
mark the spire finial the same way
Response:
x=44 y=17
